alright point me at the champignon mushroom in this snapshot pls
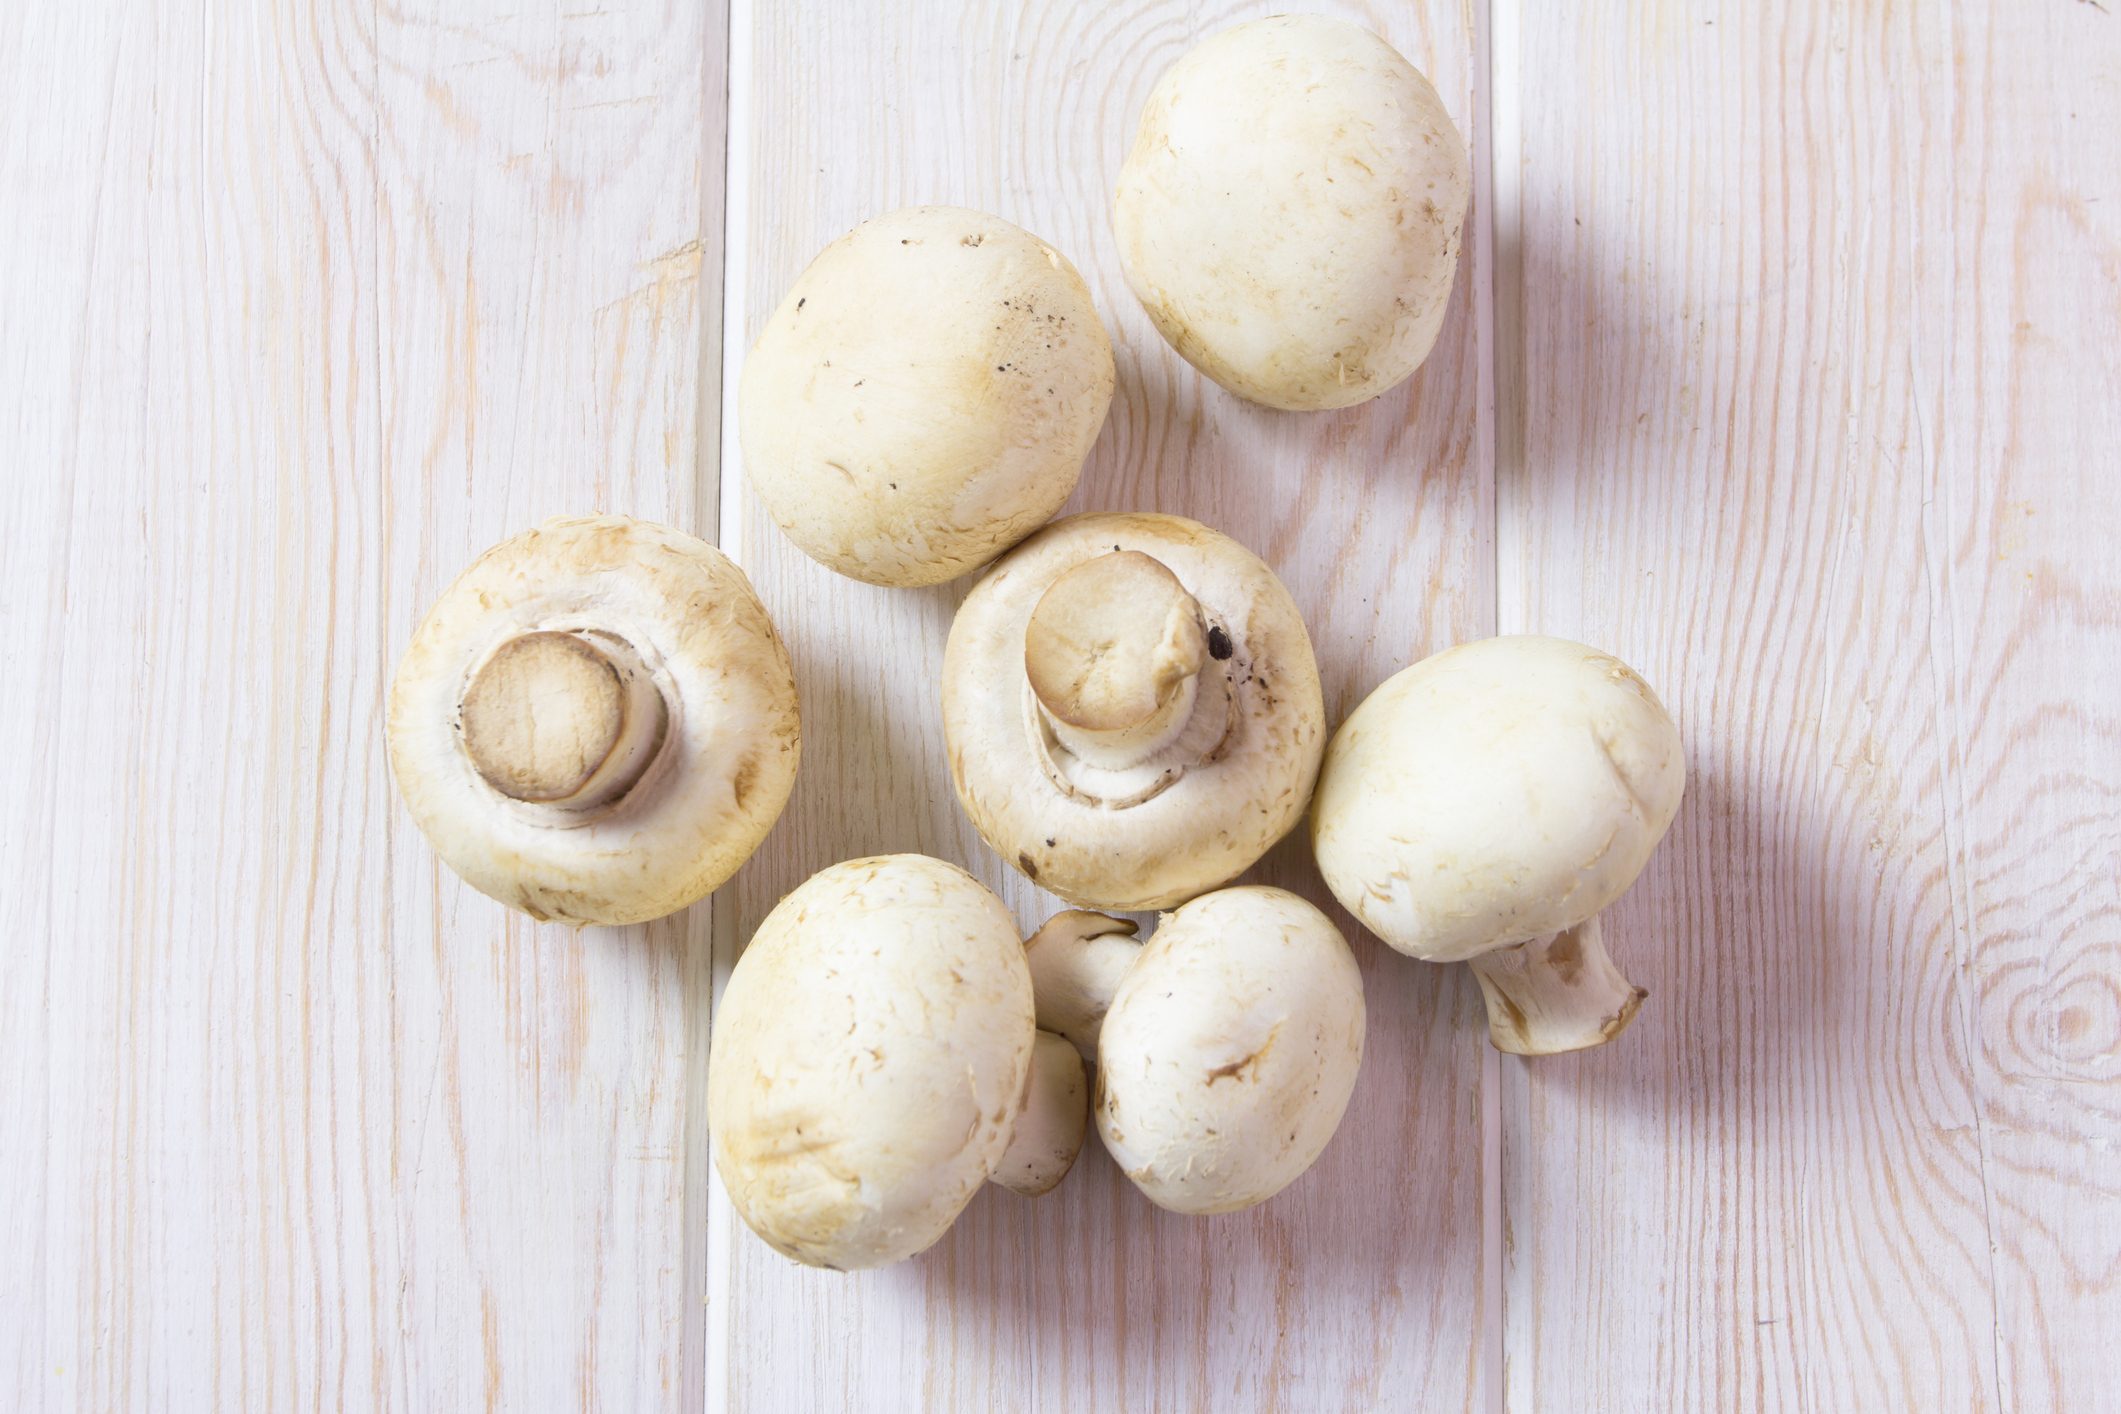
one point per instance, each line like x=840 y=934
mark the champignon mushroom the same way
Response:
x=1226 y=1047
x=1289 y=214
x=1132 y=709
x=1056 y=1114
x=924 y=396
x=1484 y=805
x=596 y=723
x=875 y=1060
x=1077 y=961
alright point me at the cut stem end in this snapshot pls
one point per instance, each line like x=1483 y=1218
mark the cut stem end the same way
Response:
x=1113 y=651
x=567 y=719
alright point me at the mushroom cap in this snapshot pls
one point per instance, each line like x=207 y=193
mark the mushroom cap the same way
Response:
x=1495 y=793
x=1289 y=214
x=1194 y=828
x=924 y=396
x=1077 y=961
x=869 y=1060
x=719 y=777
x=1230 y=1051
x=1049 y=1133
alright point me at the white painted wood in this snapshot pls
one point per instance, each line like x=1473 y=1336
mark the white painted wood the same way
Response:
x=1820 y=372
x=300 y=307
x=1360 y=1287
x=1811 y=418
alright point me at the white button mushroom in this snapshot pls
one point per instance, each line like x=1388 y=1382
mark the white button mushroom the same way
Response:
x=925 y=396
x=874 y=1061
x=1077 y=962
x=1289 y=214
x=1132 y=709
x=1484 y=804
x=1056 y=1114
x=1226 y=1048
x=596 y=723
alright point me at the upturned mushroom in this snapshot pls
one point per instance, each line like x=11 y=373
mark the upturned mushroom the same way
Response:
x=596 y=723
x=1289 y=214
x=1484 y=805
x=925 y=395
x=1226 y=1048
x=1132 y=709
x=875 y=1059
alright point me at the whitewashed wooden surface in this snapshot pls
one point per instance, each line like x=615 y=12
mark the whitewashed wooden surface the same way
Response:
x=1091 y=1299
x=1815 y=342
x=1785 y=361
x=304 y=304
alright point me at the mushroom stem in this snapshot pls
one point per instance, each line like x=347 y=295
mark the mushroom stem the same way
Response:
x=1077 y=961
x=1049 y=1132
x=1557 y=993
x=1114 y=650
x=565 y=718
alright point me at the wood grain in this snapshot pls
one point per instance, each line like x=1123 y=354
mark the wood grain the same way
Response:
x=1360 y=1286
x=304 y=305
x=1794 y=378
x=1816 y=389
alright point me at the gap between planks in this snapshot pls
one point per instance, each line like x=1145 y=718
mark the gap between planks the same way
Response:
x=1498 y=207
x=736 y=256
x=722 y=207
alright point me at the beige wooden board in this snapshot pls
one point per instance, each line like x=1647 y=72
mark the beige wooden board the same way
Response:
x=1360 y=1287
x=1818 y=372
x=301 y=306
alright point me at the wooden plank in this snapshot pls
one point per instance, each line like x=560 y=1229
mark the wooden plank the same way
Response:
x=1817 y=385
x=306 y=305
x=1360 y=1287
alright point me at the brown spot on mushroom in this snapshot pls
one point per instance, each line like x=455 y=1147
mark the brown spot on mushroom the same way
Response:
x=1565 y=955
x=1618 y=1022
x=1023 y=862
x=1247 y=1067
